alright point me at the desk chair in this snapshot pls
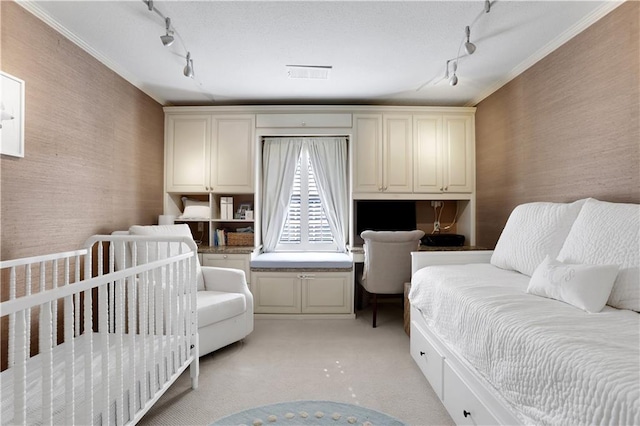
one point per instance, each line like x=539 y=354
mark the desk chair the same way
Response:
x=387 y=262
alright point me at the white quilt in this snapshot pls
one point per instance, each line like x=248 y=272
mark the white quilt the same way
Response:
x=554 y=363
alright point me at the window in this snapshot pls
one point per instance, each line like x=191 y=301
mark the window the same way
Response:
x=306 y=226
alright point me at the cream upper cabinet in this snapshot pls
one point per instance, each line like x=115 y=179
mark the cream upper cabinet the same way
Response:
x=383 y=153
x=367 y=153
x=458 y=152
x=210 y=153
x=187 y=142
x=397 y=155
x=443 y=153
x=232 y=153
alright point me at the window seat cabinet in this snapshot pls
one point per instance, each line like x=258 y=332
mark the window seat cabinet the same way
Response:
x=303 y=291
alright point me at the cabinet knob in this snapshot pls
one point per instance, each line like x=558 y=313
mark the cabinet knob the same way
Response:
x=446 y=188
x=441 y=189
x=466 y=413
x=304 y=124
x=225 y=256
x=422 y=353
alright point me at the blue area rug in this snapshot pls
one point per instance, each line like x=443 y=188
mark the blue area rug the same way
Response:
x=308 y=413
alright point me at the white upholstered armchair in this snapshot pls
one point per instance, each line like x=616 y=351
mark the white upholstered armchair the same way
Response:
x=224 y=302
x=387 y=262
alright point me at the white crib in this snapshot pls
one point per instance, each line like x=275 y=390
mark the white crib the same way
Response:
x=88 y=339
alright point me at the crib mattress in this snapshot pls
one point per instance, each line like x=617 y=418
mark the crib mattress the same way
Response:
x=552 y=362
x=60 y=368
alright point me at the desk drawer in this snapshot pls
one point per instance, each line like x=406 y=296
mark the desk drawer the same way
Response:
x=427 y=357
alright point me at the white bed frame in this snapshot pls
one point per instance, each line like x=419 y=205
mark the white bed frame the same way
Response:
x=467 y=396
x=62 y=309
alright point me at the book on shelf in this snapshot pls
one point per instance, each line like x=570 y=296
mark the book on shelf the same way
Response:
x=220 y=237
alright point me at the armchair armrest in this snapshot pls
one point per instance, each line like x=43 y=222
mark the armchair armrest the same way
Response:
x=426 y=258
x=224 y=279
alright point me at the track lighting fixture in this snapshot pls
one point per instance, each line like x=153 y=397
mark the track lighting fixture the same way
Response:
x=188 y=70
x=468 y=46
x=454 y=78
x=487 y=6
x=167 y=39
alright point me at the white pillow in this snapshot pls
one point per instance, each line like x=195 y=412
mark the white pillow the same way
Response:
x=181 y=230
x=533 y=231
x=584 y=286
x=195 y=209
x=605 y=234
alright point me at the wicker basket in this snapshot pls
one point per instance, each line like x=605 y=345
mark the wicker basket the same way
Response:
x=240 y=239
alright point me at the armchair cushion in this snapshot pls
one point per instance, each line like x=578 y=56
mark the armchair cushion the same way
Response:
x=215 y=306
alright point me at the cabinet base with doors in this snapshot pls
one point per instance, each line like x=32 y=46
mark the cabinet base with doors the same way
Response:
x=303 y=292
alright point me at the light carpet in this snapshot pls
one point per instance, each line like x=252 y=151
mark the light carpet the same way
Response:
x=345 y=361
x=309 y=413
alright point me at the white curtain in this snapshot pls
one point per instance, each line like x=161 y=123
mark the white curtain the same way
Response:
x=279 y=161
x=329 y=161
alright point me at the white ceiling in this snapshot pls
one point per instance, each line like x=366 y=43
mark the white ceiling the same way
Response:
x=381 y=52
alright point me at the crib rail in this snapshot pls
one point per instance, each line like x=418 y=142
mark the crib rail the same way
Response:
x=96 y=335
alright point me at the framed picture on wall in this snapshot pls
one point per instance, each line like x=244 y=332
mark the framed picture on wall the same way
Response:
x=11 y=115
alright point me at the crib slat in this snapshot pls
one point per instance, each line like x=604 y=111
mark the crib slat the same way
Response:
x=20 y=374
x=88 y=358
x=119 y=331
x=12 y=317
x=69 y=364
x=132 y=376
x=45 y=346
x=54 y=306
x=103 y=331
x=144 y=324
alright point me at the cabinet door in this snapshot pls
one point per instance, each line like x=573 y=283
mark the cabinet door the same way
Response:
x=276 y=293
x=428 y=164
x=232 y=153
x=367 y=160
x=234 y=261
x=187 y=150
x=326 y=292
x=458 y=153
x=398 y=154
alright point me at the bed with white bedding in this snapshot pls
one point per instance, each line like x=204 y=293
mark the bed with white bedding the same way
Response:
x=526 y=359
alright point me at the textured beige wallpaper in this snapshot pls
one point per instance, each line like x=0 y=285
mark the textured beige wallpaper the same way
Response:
x=94 y=145
x=565 y=129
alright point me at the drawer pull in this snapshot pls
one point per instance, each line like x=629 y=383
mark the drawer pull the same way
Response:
x=466 y=413
x=421 y=353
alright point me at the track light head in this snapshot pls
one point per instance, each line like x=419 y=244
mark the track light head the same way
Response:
x=454 y=78
x=167 y=39
x=487 y=6
x=468 y=46
x=188 y=69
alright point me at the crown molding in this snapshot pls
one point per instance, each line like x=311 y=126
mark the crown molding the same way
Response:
x=38 y=12
x=554 y=44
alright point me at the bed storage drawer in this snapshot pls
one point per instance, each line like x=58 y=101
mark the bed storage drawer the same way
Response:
x=427 y=357
x=463 y=405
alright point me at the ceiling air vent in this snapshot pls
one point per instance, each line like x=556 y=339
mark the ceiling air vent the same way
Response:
x=309 y=72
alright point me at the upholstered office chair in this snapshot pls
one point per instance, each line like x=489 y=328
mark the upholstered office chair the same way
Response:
x=387 y=262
